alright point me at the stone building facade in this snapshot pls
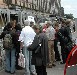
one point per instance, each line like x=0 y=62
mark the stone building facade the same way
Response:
x=43 y=6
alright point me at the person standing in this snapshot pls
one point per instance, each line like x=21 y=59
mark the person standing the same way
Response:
x=60 y=36
x=50 y=33
x=40 y=57
x=65 y=38
x=9 y=52
x=68 y=35
x=57 y=54
x=17 y=44
x=26 y=38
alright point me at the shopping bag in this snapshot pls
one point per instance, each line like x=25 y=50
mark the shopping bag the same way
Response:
x=21 y=60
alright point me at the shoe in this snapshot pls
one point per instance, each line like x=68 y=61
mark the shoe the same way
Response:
x=58 y=59
x=53 y=65
x=62 y=62
x=32 y=74
x=19 y=68
x=7 y=71
x=49 y=66
x=12 y=72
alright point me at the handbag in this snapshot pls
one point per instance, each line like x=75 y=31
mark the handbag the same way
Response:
x=21 y=60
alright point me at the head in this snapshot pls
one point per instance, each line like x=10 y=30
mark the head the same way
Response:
x=27 y=23
x=63 y=23
x=56 y=25
x=18 y=27
x=68 y=22
x=45 y=26
x=13 y=23
x=36 y=29
x=31 y=24
x=9 y=26
x=49 y=23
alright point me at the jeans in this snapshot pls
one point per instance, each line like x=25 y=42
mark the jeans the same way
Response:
x=29 y=69
x=10 y=60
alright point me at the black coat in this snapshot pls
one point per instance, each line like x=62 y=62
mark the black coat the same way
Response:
x=64 y=35
x=42 y=56
x=65 y=38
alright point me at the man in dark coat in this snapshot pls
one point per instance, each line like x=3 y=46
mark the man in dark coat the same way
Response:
x=65 y=37
x=40 y=57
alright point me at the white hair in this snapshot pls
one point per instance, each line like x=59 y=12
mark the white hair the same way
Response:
x=50 y=23
x=26 y=22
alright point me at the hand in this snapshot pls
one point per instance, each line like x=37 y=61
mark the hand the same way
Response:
x=21 y=49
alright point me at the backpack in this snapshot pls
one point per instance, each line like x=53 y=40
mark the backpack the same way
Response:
x=7 y=42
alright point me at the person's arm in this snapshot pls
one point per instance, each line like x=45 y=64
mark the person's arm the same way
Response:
x=34 y=44
x=21 y=39
x=2 y=35
x=69 y=34
x=21 y=45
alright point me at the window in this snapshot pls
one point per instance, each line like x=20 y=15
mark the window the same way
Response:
x=7 y=1
x=4 y=1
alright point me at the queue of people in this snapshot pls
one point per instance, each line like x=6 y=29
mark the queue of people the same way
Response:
x=39 y=46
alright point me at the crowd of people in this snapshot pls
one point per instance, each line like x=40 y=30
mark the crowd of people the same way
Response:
x=39 y=45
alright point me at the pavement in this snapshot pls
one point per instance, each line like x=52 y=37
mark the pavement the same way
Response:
x=57 y=70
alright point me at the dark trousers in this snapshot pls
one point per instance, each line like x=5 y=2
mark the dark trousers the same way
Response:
x=41 y=70
x=74 y=28
x=57 y=54
x=17 y=54
x=64 y=54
